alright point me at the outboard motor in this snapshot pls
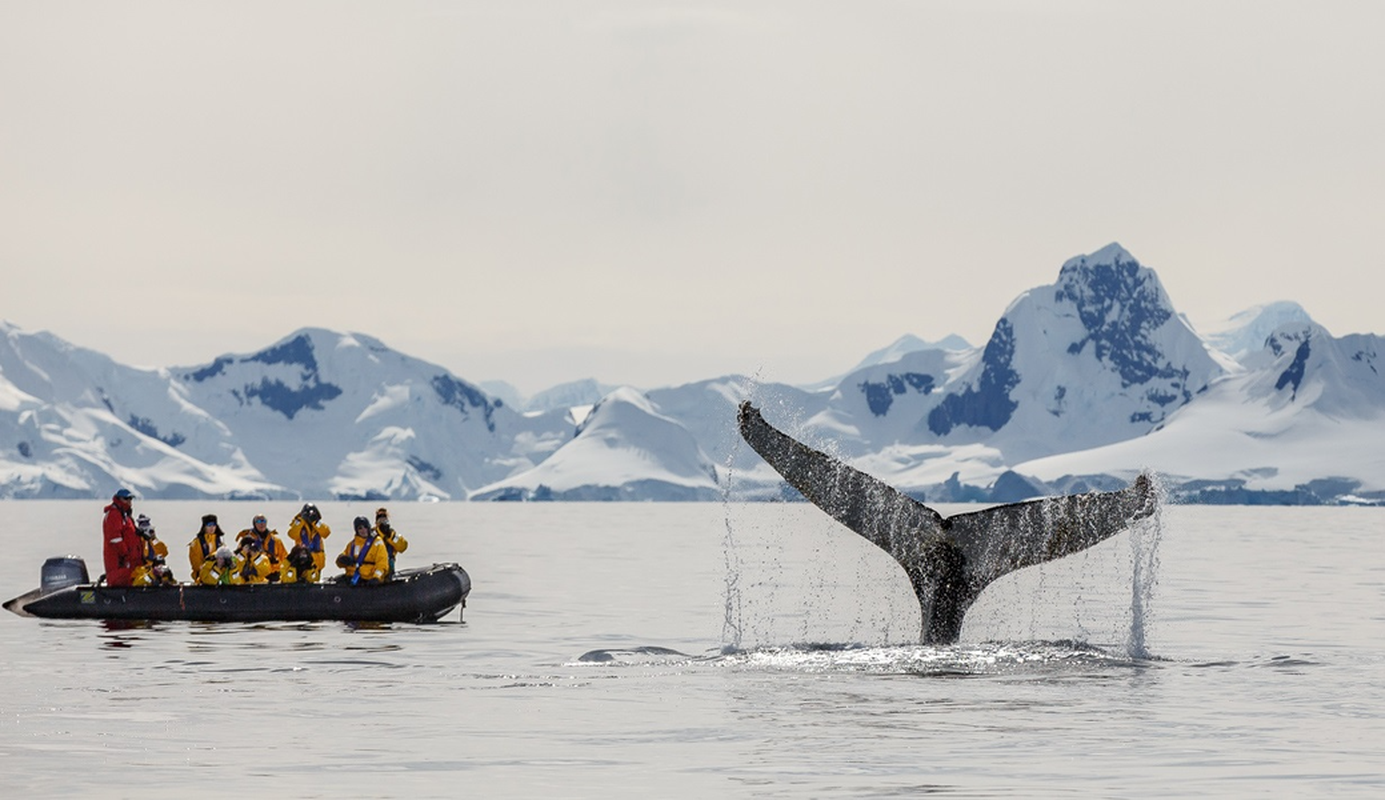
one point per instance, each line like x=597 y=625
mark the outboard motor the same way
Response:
x=61 y=572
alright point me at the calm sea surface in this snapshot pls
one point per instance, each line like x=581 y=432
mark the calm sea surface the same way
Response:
x=695 y=650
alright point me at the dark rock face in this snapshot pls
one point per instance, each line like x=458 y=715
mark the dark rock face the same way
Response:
x=464 y=397
x=289 y=400
x=1120 y=307
x=424 y=468
x=310 y=391
x=988 y=403
x=146 y=426
x=880 y=395
x=298 y=350
x=1293 y=375
x=211 y=370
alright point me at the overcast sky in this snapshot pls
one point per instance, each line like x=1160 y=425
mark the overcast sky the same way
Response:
x=656 y=193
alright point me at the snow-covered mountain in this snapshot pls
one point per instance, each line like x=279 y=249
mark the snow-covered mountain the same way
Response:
x=74 y=423
x=317 y=414
x=569 y=395
x=1304 y=422
x=1098 y=357
x=896 y=350
x=1083 y=383
x=624 y=450
x=1245 y=333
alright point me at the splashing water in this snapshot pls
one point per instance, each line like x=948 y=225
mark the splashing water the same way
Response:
x=731 y=622
x=1145 y=536
x=732 y=626
x=751 y=614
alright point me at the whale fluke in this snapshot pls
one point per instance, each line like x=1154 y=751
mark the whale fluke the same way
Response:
x=948 y=560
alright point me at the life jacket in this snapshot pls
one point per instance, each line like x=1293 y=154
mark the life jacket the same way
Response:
x=308 y=535
x=200 y=551
x=362 y=551
x=210 y=575
x=270 y=545
x=208 y=549
x=394 y=543
x=267 y=546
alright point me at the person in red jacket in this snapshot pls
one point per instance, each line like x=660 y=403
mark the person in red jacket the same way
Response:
x=122 y=546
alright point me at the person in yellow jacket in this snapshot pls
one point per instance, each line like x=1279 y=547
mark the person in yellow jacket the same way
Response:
x=252 y=565
x=154 y=568
x=300 y=567
x=309 y=531
x=204 y=544
x=393 y=539
x=270 y=545
x=219 y=569
x=365 y=559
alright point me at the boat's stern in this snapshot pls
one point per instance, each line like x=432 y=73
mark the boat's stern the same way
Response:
x=57 y=573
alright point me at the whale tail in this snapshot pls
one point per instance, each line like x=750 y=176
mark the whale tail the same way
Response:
x=948 y=560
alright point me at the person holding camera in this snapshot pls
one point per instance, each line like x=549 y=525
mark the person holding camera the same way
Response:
x=252 y=565
x=300 y=567
x=393 y=539
x=308 y=531
x=269 y=545
x=219 y=568
x=153 y=568
x=365 y=559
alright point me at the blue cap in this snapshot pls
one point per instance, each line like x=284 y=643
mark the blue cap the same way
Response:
x=125 y=494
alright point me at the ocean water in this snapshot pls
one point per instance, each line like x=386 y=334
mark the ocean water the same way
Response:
x=696 y=650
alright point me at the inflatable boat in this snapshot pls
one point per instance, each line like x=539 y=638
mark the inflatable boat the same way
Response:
x=415 y=595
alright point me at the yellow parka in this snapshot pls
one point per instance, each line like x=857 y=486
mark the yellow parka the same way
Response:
x=201 y=549
x=374 y=563
x=254 y=568
x=155 y=552
x=212 y=575
x=272 y=548
x=394 y=543
x=311 y=536
x=287 y=574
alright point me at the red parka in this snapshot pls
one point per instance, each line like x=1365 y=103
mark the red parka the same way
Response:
x=122 y=546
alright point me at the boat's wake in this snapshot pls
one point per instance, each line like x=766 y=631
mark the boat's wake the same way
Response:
x=1017 y=659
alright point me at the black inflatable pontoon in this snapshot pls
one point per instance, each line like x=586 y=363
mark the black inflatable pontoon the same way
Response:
x=416 y=595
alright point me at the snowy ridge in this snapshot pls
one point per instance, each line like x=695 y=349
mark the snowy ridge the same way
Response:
x=1083 y=383
x=1246 y=333
x=625 y=449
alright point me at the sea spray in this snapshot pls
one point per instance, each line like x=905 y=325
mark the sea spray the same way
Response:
x=732 y=627
x=731 y=622
x=1145 y=536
